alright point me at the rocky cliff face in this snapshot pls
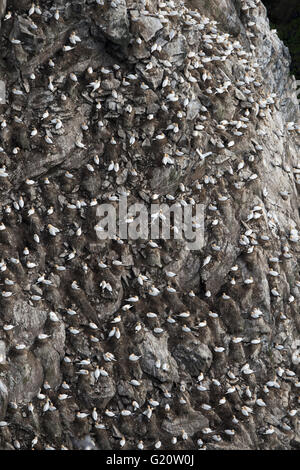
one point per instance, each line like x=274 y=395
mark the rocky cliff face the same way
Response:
x=109 y=343
x=285 y=17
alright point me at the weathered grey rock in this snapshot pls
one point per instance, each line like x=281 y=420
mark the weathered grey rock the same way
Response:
x=191 y=423
x=50 y=360
x=25 y=378
x=176 y=49
x=193 y=109
x=2 y=8
x=154 y=76
x=52 y=425
x=217 y=308
x=85 y=443
x=239 y=95
x=28 y=320
x=110 y=84
x=148 y=26
x=102 y=393
x=58 y=338
x=2 y=92
x=129 y=392
x=3 y=399
x=2 y=352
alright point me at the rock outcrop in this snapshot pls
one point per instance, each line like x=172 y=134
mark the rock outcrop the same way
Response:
x=145 y=343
